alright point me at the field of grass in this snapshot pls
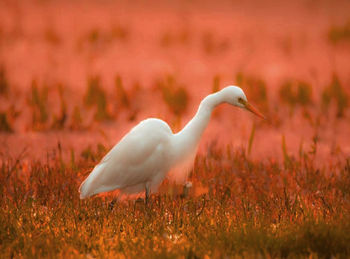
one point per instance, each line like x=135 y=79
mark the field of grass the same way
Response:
x=76 y=76
x=237 y=208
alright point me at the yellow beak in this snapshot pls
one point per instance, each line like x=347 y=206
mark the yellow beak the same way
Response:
x=252 y=109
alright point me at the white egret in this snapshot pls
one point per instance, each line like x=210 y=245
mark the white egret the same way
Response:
x=144 y=156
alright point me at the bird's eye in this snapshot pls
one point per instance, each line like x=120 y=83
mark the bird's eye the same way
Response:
x=241 y=100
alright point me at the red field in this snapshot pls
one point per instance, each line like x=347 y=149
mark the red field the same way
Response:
x=75 y=76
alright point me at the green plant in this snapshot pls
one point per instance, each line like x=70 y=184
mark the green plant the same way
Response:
x=95 y=96
x=339 y=33
x=4 y=123
x=122 y=96
x=4 y=85
x=296 y=93
x=94 y=36
x=51 y=36
x=255 y=89
x=335 y=92
x=172 y=38
x=174 y=95
x=97 y=37
x=88 y=154
x=251 y=139
x=59 y=120
x=212 y=44
x=120 y=32
x=286 y=93
x=216 y=84
x=257 y=92
x=166 y=39
x=249 y=209
x=304 y=94
x=239 y=78
x=286 y=157
x=38 y=102
x=77 y=121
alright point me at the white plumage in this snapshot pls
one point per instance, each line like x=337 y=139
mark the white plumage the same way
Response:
x=144 y=156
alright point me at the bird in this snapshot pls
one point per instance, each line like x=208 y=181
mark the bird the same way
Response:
x=143 y=157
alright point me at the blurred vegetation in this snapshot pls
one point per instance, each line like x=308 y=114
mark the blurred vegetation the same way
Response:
x=213 y=44
x=93 y=36
x=51 y=36
x=174 y=95
x=120 y=32
x=4 y=85
x=339 y=33
x=251 y=139
x=171 y=38
x=250 y=209
x=59 y=120
x=97 y=37
x=296 y=93
x=88 y=154
x=255 y=89
x=122 y=97
x=77 y=121
x=334 y=92
x=293 y=93
x=4 y=123
x=216 y=84
x=38 y=102
x=286 y=157
x=95 y=96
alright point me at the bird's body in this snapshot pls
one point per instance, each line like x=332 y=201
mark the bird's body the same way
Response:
x=144 y=156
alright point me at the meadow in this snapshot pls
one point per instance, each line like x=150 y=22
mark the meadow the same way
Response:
x=237 y=208
x=76 y=76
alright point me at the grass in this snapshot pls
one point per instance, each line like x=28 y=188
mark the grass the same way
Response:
x=174 y=95
x=238 y=207
x=296 y=93
x=335 y=93
x=216 y=84
x=60 y=120
x=98 y=38
x=119 y=32
x=251 y=139
x=213 y=44
x=255 y=88
x=292 y=94
x=51 y=36
x=77 y=121
x=5 y=125
x=96 y=97
x=181 y=37
x=4 y=84
x=39 y=105
x=122 y=97
x=338 y=34
x=251 y=209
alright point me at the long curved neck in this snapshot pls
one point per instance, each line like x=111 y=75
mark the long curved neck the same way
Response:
x=187 y=139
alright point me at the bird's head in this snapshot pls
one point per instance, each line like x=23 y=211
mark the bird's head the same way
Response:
x=234 y=95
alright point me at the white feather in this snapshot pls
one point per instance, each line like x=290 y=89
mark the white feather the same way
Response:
x=150 y=150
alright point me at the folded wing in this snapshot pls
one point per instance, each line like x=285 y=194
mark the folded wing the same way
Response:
x=135 y=160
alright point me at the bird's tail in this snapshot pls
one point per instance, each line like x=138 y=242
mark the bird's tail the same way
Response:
x=89 y=186
x=82 y=190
